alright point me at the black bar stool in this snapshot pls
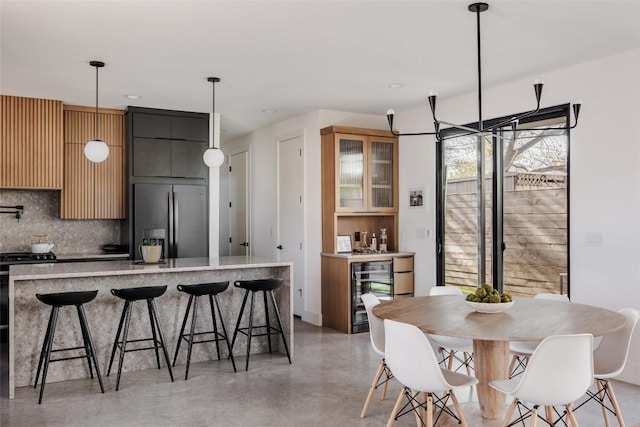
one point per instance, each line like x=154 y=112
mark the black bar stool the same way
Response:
x=195 y=292
x=130 y=295
x=57 y=300
x=265 y=286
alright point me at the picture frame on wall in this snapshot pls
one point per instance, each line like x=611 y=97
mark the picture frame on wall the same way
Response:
x=416 y=197
x=344 y=244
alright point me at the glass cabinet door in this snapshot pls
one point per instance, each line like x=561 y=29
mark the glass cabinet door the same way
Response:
x=351 y=165
x=382 y=174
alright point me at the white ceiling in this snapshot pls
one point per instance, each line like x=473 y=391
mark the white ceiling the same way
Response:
x=293 y=56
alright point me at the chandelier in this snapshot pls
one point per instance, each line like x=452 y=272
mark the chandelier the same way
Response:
x=513 y=121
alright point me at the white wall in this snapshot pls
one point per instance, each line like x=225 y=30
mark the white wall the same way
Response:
x=264 y=203
x=605 y=176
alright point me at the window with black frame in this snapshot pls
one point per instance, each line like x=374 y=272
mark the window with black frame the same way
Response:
x=503 y=205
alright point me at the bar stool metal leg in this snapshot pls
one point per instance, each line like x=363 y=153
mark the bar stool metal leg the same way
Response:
x=184 y=323
x=284 y=340
x=44 y=348
x=85 y=341
x=250 y=331
x=153 y=333
x=85 y=326
x=194 y=316
x=123 y=343
x=215 y=326
x=115 y=342
x=266 y=315
x=226 y=336
x=54 y=315
x=235 y=332
x=161 y=335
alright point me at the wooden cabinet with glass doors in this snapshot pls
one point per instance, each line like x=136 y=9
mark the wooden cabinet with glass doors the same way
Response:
x=363 y=165
x=359 y=178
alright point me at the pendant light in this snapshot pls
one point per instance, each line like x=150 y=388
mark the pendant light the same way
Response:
x=96 y=150
x=477 y=9
x=213 y=157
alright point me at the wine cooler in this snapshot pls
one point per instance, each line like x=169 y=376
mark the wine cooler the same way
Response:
x=374 y=277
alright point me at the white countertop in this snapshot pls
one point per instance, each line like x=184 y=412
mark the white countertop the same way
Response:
x=376 y=255
x=115 y=268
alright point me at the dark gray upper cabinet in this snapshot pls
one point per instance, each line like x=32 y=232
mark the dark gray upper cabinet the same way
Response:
x=167 y=143
x=189 y=128
x=151 y=125
x=152 y=157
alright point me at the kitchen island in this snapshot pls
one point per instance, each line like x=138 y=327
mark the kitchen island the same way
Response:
x=28 y=317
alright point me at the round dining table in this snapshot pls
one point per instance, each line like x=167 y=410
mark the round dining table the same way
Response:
x=529 y=319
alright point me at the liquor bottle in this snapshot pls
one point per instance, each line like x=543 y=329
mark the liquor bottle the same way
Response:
x=374 y=243
x=383 y=240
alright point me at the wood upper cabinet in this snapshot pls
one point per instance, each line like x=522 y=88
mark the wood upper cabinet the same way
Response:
x=31 y=143
x=93 y=190
x=361 y=168
x=359 y=184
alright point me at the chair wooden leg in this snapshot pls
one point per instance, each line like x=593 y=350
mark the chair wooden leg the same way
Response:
x=534 y=417
x=387 y=373
x=570 y=417
x=512 y=409
x=512 y=364
x=467 y=360
x=429 y=411
x=456 y=405
x=425 y=396
x=601 y=385
x=614 y=402
x=548 y=410
x=416 y=407
x=376 y=378
x=450 y=365
x=396 y=408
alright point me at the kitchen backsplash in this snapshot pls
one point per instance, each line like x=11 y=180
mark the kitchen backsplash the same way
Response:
x=41 y=209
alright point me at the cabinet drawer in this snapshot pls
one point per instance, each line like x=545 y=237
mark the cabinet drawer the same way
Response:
x=403 y=283
x=403 y=264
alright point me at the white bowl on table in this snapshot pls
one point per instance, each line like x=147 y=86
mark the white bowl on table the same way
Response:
x=487 y=307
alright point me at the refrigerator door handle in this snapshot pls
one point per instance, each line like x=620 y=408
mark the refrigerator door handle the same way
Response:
x=176 y=228
x=170 y=242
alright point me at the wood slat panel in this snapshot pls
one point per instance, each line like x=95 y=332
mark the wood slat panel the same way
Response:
x=76 y=199
x=109 y=186
x=31 y=143
x=93 y=190
x=80 y=127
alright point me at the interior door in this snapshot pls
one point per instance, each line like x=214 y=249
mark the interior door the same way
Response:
x=291 y=213
x=239 y=204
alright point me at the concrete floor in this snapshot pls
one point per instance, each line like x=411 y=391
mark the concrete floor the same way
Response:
x=326 y=386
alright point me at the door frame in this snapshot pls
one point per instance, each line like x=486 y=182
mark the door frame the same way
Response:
x=498 y=246
x=232 y=152
x=303 y=269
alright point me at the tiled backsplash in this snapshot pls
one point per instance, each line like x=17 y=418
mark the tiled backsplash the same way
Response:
x=41 y=211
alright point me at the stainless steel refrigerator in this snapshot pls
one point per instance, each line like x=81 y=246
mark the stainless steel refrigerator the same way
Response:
x=175 y=215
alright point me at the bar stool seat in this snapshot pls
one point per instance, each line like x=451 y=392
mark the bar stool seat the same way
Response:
x=195 y=292
x=56 y=301
x=266 y=286
x=130 y=295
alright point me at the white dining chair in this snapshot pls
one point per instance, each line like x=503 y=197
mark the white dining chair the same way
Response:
x=414 y=364
x=609 y=359
x=522 y=350
x=376 y=335
x=559 y=372
x=448 y=347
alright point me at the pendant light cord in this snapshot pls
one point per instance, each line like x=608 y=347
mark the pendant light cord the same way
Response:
x=213 y=115
x=480 y=125
x=96 y=118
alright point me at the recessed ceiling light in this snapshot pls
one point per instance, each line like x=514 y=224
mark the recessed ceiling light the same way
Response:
x=133 y=96
x=269 y=111
x=395 y=85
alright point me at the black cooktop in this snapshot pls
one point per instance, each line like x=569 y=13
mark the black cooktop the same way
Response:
x=26 y=257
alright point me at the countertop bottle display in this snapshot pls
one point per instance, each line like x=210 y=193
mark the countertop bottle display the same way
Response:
x=383 y=240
